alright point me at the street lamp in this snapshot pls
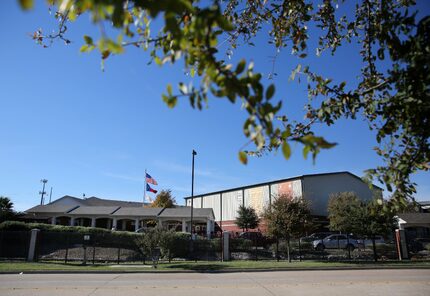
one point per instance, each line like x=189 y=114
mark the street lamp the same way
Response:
x=192 y=194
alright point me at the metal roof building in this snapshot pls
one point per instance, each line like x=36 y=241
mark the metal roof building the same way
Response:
x=316 y=188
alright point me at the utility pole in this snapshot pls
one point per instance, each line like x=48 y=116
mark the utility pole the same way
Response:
x=192 y=194
x=50 y=195
x=42 y=193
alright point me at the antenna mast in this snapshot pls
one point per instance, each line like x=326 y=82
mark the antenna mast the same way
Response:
x=43 y=192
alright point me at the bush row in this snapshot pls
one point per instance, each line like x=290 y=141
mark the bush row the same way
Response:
x=74 y=234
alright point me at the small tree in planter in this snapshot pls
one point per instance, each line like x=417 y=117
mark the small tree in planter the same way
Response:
x=149 y=244
x=286 y=218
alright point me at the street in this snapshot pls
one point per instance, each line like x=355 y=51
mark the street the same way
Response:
x=331 y=282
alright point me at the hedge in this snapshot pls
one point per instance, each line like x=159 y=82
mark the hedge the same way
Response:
x=100 y=236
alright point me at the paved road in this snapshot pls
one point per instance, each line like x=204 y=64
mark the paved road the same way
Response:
x=335 y=282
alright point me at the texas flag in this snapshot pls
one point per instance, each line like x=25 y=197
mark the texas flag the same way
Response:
x=148 y=188
x=150 y=180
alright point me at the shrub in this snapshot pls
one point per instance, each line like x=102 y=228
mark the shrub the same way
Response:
x=241 y=244
x=99 y=236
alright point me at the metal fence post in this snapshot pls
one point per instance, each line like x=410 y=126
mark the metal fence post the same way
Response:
x=94 y=251
x=300 y=251
x=1 y=243
x=32 y=246
x=67 y=248
x=225 y=247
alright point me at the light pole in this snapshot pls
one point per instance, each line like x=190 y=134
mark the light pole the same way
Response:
x=192 y=194
x=42 y=193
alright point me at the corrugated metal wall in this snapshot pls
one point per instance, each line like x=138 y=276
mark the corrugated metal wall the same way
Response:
x=213 y=201
x=256 y=197
x=231 y=201
x=291 y=188
x=197 y=202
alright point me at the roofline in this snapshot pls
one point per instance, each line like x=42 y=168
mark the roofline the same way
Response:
x=278 y=181
x=69 y=196
x=212 y=211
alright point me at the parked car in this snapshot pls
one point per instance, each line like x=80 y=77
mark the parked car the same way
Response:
x=315 y=236
x=336 y=241
x=418 y=244
x=251 y=235
x=367 y=242
x=257 y=237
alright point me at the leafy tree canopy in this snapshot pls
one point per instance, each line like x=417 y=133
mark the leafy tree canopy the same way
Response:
x=375 y=221
x=347 y=213
x=391 y=95
x=164 y=199
x=287 y=217
x=6 y=209
x=247 y=218
x=5 y=204
x=344 y=212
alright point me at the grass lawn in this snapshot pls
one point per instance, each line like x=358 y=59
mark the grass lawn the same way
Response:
x=203 y=266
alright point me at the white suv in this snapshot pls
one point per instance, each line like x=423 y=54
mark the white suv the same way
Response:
x=336 y=241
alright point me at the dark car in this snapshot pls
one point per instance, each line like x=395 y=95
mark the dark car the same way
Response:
x=251 y=235
x=257 y=238
x=418 y=244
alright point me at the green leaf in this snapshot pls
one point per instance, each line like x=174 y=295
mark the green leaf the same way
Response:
x=169 y=89
x=224 y=23
x=306 y=150
x=170 y=100
x=286 y=150
x=26 y=4
x=270 y=91
x=240 y=67
x=88 y=40
x=158 y=61
x=105 y=54
x=86 y=48
x=243 y=157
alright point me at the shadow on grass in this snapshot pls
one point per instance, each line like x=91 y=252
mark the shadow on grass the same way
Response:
x=70 y=263
x=190 y=266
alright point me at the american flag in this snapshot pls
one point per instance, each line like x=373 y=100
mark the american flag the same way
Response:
x=150 y=180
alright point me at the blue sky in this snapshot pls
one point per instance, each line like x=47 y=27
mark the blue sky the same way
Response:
x=95 y=132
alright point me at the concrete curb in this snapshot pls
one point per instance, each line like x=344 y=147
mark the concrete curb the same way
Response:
x=210 y=271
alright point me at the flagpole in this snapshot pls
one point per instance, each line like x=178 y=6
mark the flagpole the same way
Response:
x=144 y=191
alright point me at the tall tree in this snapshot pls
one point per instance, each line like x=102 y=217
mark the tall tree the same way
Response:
x=164 y=199
x=392 y=92
x=6 y=209
x=343 y=212
x=373 y=221
x=347 y=213
x=287 y=217
x=247 y=218
x=344 y=209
